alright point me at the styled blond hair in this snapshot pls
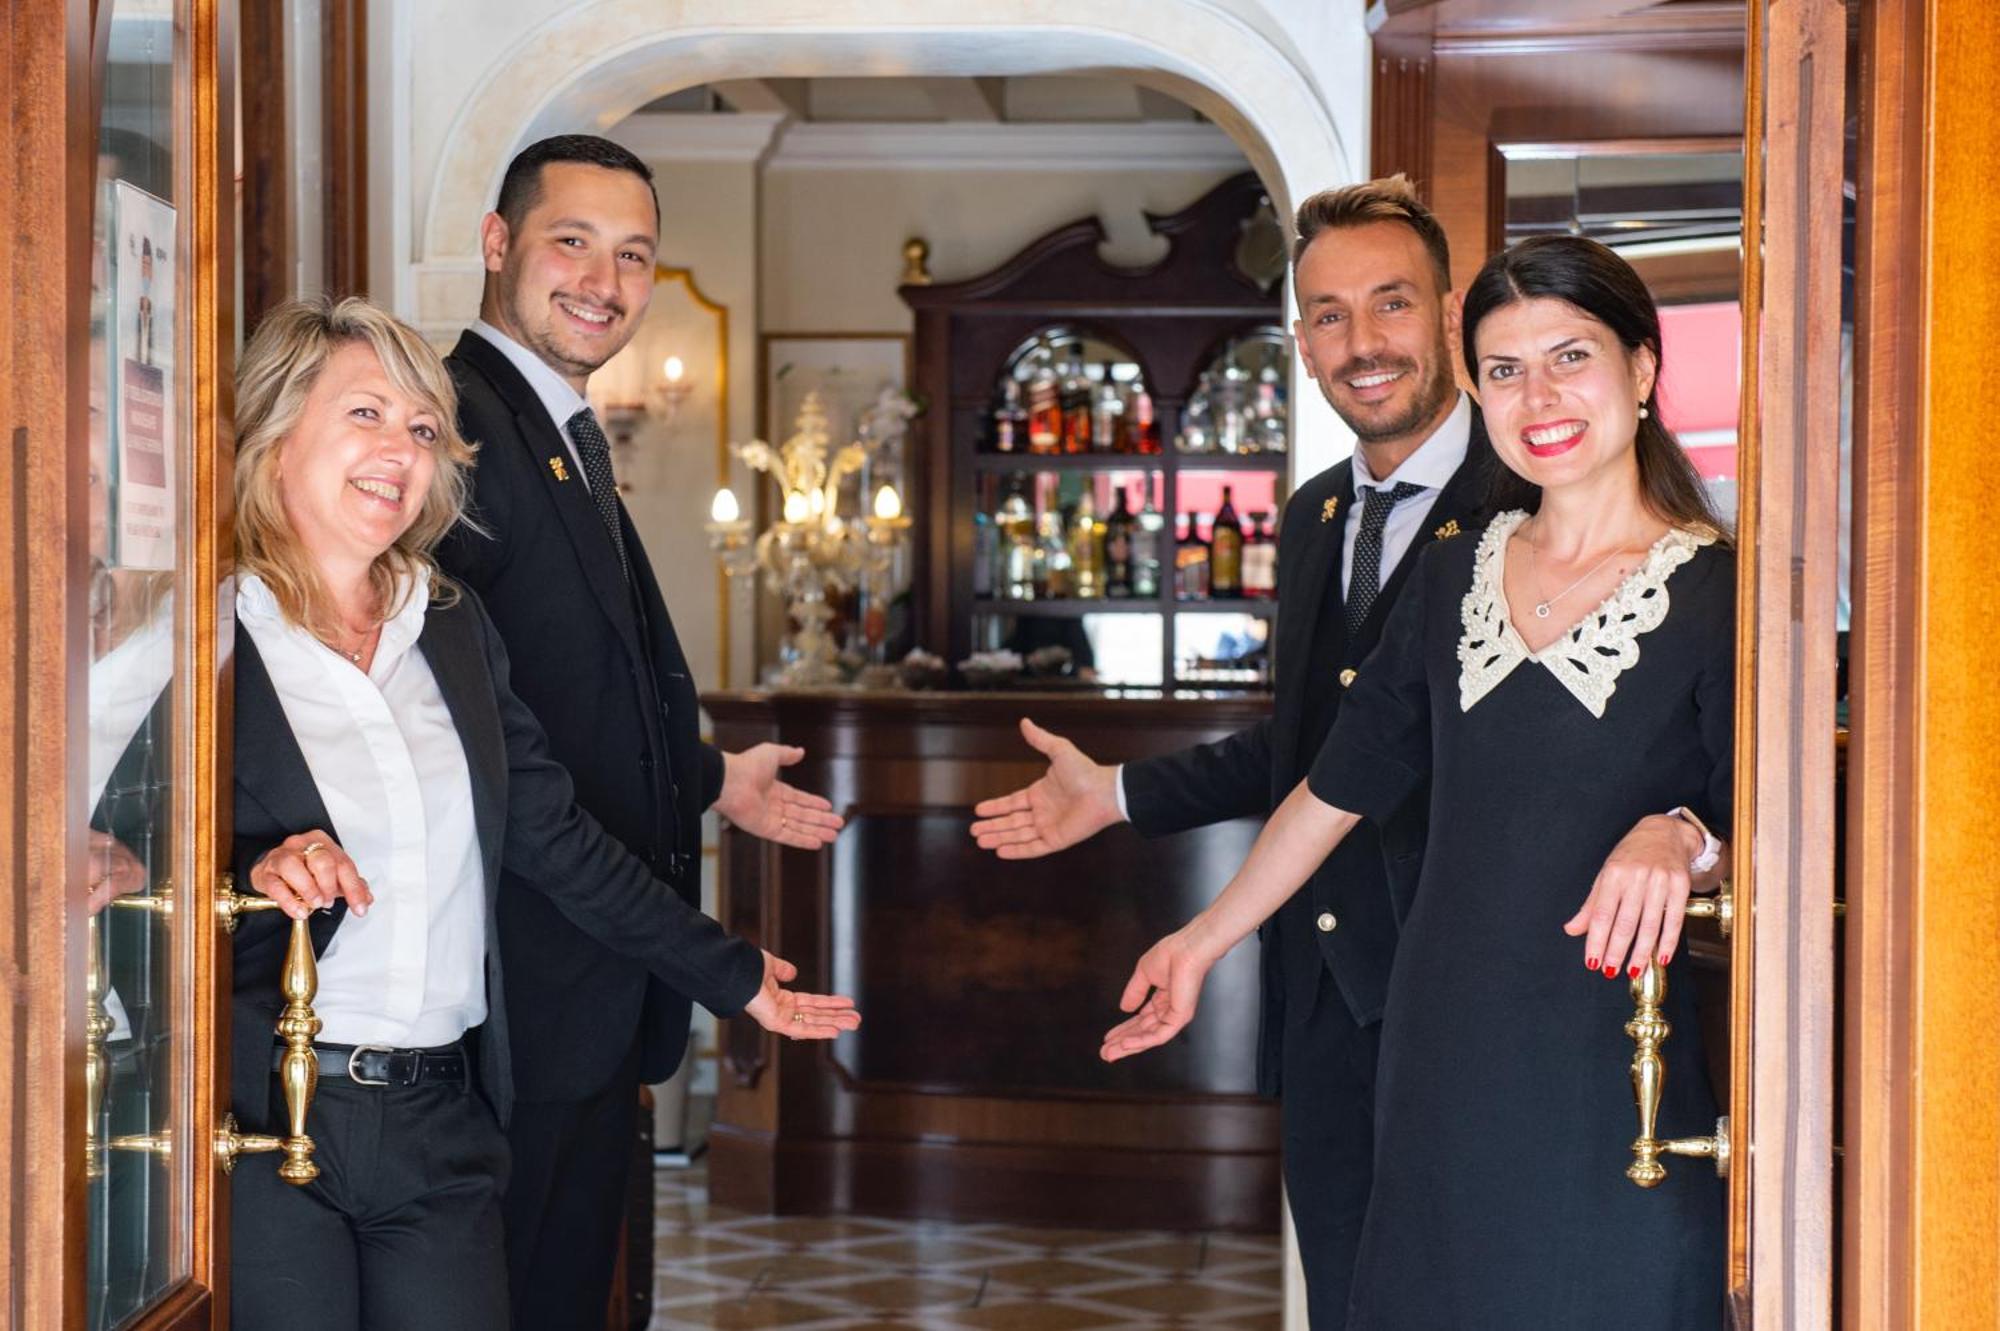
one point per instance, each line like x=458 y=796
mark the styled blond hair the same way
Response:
x=1390 y=199
x=274 y=377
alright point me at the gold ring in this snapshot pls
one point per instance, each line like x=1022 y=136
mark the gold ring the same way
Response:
x=312 y=849
x=798 y=1018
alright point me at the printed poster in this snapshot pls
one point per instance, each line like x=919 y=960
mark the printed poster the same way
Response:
x=144 y=412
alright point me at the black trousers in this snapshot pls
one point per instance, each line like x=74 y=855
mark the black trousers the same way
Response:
x=1327 y=1108
x=400 y=1230
x=565 y=1207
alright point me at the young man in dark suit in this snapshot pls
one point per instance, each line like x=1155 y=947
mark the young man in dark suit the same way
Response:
x=1373 y=281
x=569 y=252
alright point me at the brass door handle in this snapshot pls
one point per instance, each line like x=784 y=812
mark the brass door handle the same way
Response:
x=1720 y=907
x=229 y=1143
x=231 y=904
x=298 y=1024
x=1649 y=1030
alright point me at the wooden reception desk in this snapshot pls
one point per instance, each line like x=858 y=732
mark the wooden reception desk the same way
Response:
x=973 y=1090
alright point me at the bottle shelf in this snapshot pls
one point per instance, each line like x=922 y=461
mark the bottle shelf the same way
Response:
x=1076 y=607
x=1154 y=462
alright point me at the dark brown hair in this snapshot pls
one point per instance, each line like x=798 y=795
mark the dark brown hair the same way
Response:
x=1390 y=199
x=1590 y=277
x=521 y=187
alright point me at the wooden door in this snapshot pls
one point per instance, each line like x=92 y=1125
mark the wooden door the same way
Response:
x=116 y=240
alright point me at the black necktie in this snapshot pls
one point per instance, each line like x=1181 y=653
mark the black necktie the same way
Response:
x=1364 y=580
x=593 y=450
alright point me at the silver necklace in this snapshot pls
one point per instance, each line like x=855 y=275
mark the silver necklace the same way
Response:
x=1542 y=608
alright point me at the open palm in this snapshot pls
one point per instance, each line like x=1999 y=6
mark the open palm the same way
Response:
x=1071 y=802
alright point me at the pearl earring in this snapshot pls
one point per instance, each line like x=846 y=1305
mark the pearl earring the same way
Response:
x=1644 y=413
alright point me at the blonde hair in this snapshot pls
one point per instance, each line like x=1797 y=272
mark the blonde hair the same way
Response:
x=1390 y=199
x=274 y=377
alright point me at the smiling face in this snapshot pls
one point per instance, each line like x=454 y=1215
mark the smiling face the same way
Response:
x=1372 y=333
x=572 y=280
x=1561 y=394
x=355 y=469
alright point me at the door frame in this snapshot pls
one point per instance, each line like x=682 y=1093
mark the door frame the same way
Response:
x=51 y=61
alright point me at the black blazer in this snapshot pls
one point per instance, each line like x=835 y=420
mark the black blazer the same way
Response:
x=597 y=662
x=1250 y=773
x=527 y=820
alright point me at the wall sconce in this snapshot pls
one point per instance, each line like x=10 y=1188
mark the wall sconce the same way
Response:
x=671 y=392
x=664 y=400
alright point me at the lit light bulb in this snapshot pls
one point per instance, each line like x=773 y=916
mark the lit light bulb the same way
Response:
x=816 y=503
x=724 y=509
x=673 y=369
x=797 y=507
x=888 y=504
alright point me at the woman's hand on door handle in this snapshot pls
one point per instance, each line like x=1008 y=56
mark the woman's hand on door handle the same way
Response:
x=308 y=872
x=1638 y=900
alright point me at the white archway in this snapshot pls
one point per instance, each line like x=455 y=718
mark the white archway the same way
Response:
x=1243 y=63
x=591 y=65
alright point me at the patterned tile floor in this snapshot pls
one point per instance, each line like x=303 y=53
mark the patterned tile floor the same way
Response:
x=722 y=1270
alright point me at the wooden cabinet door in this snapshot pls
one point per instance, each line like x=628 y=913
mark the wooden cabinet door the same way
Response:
x=116 y=245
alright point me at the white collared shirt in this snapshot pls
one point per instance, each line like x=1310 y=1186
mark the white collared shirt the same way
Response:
x=391 y=770
x=1430 y=467
x=557 y=397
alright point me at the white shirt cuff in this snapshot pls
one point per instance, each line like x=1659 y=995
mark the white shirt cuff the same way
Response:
x=1119 y=783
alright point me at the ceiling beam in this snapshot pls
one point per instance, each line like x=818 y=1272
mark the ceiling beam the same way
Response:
x=983 y=99
x=786 y=97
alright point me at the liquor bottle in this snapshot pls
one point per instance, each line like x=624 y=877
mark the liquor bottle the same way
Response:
x=1053 y=561
x=1191 y=562
x=1086 y=549
x=1229 y=406
x=1118 y=561
x=1075 y=402
x=985 y=553
x=1267 y=427
x=1197 y=419
x=1016 y=522
x=1149 y=549
x=1145 y=429
x=1044 y=401
x=1010 y=420
x=1225 y=551
x=1260 y=560
x=1107 y=414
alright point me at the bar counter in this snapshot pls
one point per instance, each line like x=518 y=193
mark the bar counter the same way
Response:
x=973 y=1090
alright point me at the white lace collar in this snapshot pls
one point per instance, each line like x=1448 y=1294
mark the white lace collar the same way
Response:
x=1589 y=658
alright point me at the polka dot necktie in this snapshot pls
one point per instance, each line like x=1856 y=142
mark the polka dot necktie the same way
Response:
x=593 y=450
x=1364 y=581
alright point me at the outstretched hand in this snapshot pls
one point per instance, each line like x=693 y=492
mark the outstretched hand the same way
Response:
x=1073 y=801
x=798 y=1016
x=1163 y=992
x=754 y=799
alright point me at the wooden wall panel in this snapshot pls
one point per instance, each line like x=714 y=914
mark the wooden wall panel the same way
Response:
x=1957 y=1140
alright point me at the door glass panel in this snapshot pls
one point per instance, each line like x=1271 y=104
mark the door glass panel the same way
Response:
x=138 y=1147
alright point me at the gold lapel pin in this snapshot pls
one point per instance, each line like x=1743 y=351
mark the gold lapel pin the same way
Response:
x=556 y=466
x=1449 y=530
x=1329 y=508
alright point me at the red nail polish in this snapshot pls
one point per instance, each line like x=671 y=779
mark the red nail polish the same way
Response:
x=1610 y=971
x=1633 y=974
x=1590 y=963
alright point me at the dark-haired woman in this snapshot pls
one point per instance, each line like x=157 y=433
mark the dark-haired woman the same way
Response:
x=1562 y=674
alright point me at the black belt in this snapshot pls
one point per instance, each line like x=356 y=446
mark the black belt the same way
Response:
x=379 y=1065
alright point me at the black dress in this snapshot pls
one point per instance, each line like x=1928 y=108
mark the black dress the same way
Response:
x=1504 y=1109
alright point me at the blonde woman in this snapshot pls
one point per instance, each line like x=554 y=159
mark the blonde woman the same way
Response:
x=384 y=772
